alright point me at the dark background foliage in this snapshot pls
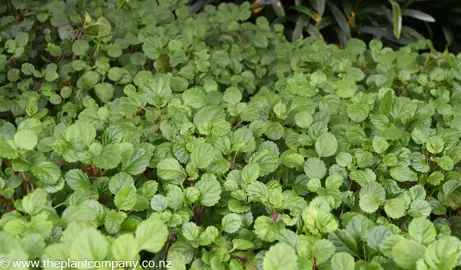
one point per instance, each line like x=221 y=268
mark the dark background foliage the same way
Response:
x=336 y=21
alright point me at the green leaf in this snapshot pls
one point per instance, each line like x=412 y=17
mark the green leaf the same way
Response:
x=208 y=236
x=210 y=191
x=243 y=140
x=231 y=223
x=137 y=162
x=443 y=253
x=372 y=195
x=194 y=98
x=47 y=172
x=395 y=208
x=445 y=163
x=190 y=231
x=7 y=151
x=125 y=248
x=78 y=213
x=250 y=173
x=357 y=112
x=291 y=159
x=280 y=256
x=267 y=160
x=241 y=244
x=334 y=182
x=151 y=235
x=169 y=169
x=202 y=155
x=326 y=145
x=303 y=119
x=435 y=144
x=175 y=197
x=80 y=47
x=396 y=18
x=403 y=174
x=450 y=195
x=266 y=229
x=380 y=144
x=15 y=226
x=113 y=221
x=319 y=221
x=342 y=261
x=377 y=235
x=109 y=158
x=119 y=181
x=89 y=244
x=26 y=139
x=206 y=117
x=232 y=95
x=159 y=203
x=104 y=91
x=274 y=131
x=422 y=230
x=403 y=108
x=322 y=250
x=126 y=198
x=406 y=252
x=258 y=191
x=343 y=159
x=315 y=168
x=81 y=132
x=34 y=202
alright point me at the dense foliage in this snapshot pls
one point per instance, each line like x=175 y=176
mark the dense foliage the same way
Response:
x=396 y=23
x=137 y=130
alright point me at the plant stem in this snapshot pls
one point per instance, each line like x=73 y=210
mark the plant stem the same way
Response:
x=197 y=213
x=26 y=180
x=59 y=205
x=165 y=255
x=7 y=163
x=8 y=202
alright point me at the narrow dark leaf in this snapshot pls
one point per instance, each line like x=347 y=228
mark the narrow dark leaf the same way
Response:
x=340 y=19
x=396 y=18
x=324 y=23
x=422 y=16
x=313 y=31
x=385 y=33
x=455 y=21
x=342 y=38
x=261 y=3
x=320 y=6
x=412 y=33
x=429 y=30
x=299 y=26
x=374 y=10
x=278 y=8
x=305 y=10
x=448 y=35
x=198 y=5
x=347 y=7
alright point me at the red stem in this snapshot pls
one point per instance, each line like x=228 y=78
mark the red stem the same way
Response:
x=26 y=180
x=7 y=163
x=166 y=249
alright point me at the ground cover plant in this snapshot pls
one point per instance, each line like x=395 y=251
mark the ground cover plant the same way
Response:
x=215 y=143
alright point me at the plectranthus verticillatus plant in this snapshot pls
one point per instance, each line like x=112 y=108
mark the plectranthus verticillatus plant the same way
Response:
x=136 y=130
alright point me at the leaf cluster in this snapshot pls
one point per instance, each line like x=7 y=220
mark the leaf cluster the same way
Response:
x=214 y=143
